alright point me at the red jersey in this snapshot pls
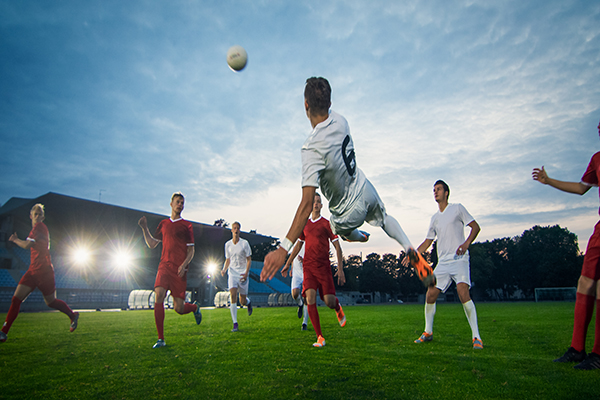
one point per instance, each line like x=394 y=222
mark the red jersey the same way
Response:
x=176 y=236
x=40 y=250
x=316 y=235
x=592 y=174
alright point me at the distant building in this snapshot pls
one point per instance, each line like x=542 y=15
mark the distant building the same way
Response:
x=107 y=232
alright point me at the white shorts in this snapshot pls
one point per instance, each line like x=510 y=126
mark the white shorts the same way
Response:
x=234 y=281
x=297 y=276
x=456 y=270
x=367 y=208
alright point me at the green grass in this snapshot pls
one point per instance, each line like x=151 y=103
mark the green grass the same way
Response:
x=110 y=356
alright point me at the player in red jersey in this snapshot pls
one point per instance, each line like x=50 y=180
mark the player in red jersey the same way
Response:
x=177 y=237
x=588 y=286
x=40 y=273
x=317 y=270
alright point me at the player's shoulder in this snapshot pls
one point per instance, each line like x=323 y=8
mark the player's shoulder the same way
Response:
x=596 y=157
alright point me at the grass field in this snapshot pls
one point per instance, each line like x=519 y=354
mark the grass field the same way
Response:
x=110 y=356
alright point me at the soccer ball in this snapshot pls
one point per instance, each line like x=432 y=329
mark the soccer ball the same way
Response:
x=237 y=58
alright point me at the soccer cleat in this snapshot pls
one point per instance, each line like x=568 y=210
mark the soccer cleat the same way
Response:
x=249 y=308
x=320 y=342
x=235 y=328
x=304 y=328
x=477 y=344
x=74 y=322
x=364 y=237
x=341 y=317
x=592 y=361
x=425 y=337
x=572 y=355
x=3 y=337
x=300 y=313
x=423 y=268
x=197 y=313
x=159 y=343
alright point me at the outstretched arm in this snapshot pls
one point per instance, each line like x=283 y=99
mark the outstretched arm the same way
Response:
x=24 y=244
x=275 y=259
x=150 y=240
x=341 y=277
x=541 y=176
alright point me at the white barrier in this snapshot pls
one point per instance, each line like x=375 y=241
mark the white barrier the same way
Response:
x=144 y=299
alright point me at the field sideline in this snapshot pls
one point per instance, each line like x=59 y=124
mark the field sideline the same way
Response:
x=110 y=356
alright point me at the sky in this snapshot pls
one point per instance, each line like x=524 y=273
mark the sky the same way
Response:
x=128 y=102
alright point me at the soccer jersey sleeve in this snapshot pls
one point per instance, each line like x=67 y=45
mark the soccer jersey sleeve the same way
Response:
x=590 y=177
x=247 y=248
x=431 y=232
x=39 y=236
x=312 y=164
x=465 y=217
x=158 y=235
x=190 y=232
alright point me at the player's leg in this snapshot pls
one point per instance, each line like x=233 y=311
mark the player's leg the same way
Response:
x=233 y=293
x=177 y=287
x=430 y=307
x=244 y=298
x=21 y=293
x=332 y=302
x=313 y=313
x=469 y=307
x=159 y=314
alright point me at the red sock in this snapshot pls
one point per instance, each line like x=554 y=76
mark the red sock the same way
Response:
x=159 y=318
x=584 y=309
x=62 y=307
x=13 y=311
x=188 y=308
x=337 y=305
x=314 y=318
x=596 y=348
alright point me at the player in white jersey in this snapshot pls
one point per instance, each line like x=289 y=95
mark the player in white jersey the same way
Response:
x=328 y=161
x=448 y=226
x=297 y=274
x=237 y=265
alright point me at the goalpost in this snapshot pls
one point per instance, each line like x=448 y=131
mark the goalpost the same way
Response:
x=555 y=294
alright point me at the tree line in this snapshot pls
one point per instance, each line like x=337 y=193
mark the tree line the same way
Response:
x=539 y=257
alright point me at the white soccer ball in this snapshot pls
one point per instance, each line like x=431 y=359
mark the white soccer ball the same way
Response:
x=237 y=58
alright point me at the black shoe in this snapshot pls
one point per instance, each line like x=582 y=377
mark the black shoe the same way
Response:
x=300 y=311
x=572 y=355
x=592 y=361
x=249 y=309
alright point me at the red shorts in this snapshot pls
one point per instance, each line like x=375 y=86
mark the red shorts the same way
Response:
x=42 y=279
x=168 y=279
x=591 y=260
x=320 y=279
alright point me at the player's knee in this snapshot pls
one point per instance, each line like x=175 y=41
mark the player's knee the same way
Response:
x=586 y=285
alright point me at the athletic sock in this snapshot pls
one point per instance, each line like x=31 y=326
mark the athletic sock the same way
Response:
x=394 y=230
x=596 y=348
x=299 y=300
x=429 y=314
x=61 y=306
x=13 y=311
x=233 y=308
x=159 y=319
x=337 y=305
x=314 y=318
x=471 y=314
x=188 y=308
x=305 y=315
x=584 y=308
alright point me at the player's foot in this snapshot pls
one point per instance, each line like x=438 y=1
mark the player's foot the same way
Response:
x=592 y=361
x=320 y=342
x=249 y=309
x=341 y=316
x=300 y=308
x=572 y=355
x=197 y=313
x=74 y=321
x=477 y=344
x=159 y=343
x=235 y=328
x=3 y=337
x=362 y=237
x=304 y=328
x=423 y=268
x=425 y=337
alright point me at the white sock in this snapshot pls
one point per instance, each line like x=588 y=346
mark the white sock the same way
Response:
x=305 y=315
x=233 y=308
x=394 y=230
x=471 y=314
x=299 y=300
x=247 y=301
x=429 y=314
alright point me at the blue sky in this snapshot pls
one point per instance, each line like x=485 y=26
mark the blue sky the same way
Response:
x=134 y=100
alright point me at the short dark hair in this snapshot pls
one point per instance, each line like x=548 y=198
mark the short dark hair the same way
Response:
x=444 y=185
x=317 y=93
x=177 y=194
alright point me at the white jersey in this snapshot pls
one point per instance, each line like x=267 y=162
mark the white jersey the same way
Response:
x=449 y=228
x=237 y=254
x=328 y=161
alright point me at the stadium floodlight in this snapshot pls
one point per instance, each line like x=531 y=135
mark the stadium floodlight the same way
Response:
x=81 y=255
x=212 y=267
x=122 y=258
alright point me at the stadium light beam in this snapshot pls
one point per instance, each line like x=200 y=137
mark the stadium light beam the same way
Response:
x=81 y=256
